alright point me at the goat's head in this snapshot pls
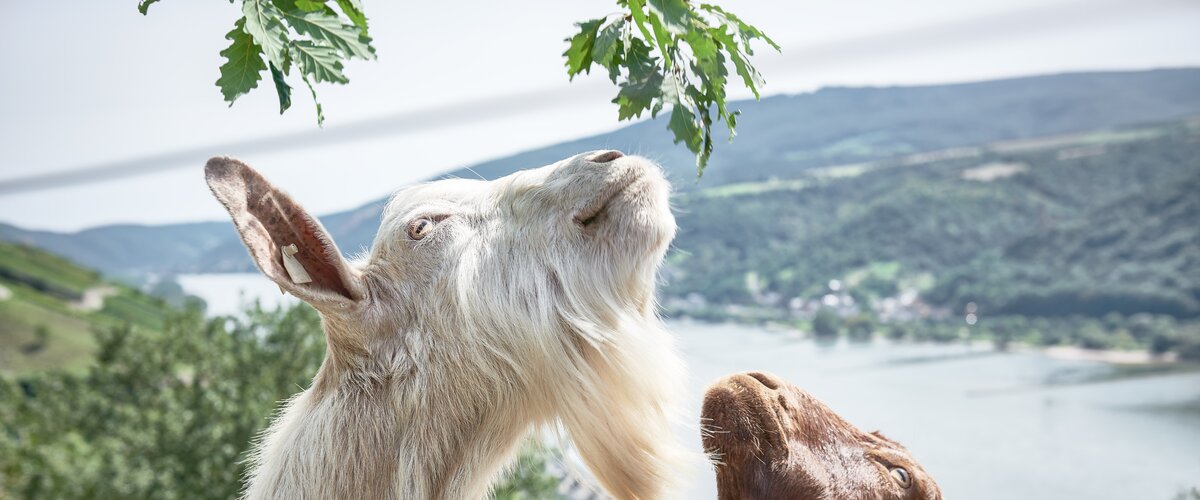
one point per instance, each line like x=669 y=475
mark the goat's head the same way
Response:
x=523 y=299
x=566 y=249
x=773 y=440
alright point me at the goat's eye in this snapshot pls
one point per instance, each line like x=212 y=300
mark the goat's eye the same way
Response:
x=418 y=228
x=901 y=476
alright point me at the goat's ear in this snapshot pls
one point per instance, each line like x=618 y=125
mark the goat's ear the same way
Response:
x=270 y=222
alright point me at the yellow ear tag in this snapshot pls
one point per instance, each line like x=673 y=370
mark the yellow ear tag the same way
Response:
x=294 y=269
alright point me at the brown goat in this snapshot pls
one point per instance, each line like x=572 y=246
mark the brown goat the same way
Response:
x=773 y=440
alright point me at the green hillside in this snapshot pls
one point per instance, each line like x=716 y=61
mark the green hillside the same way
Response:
x=50 y=307
x=1093 y=233
x=1138 y=254
x=929 y=216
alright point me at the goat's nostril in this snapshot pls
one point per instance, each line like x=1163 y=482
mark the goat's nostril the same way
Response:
x=607 y=156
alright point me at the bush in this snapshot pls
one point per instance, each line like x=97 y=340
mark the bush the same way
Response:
x=898 y=331
x=860 y=328
x=1191 y=494
x=1093 y=336
x=826 y=323
x=1189 y=349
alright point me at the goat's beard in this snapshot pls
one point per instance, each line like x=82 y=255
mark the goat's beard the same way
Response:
x=579 y=341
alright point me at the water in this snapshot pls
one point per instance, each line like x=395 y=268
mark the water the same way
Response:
x=229 y=294
x=985 y=425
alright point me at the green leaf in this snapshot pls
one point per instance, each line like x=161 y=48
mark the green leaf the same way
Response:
x=353 y=10
x=262 y=23
x=696 y=133
x=579 y=53
x=637 y=96
x=683 y=124
x=669 y=92
x=320 y=62
x=243 y=65
x=616 y=61
x=745 y=31
x=282 y=89
x=607 y=44
x=749 y=75
x=323 y=27
x=144 y=6
x=675 y=15
x=313 y=91
x=708 y=63
x=696 y=137
x=691 y=80
x=638 y=60
x=643 y=82
x=663 y=38
x=637 y=10
x=310 y=5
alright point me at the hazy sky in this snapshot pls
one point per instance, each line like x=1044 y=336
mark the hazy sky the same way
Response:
x=97 y=82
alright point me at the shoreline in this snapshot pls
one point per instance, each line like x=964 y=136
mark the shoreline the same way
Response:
x=1134 y=357
x=1139 y=357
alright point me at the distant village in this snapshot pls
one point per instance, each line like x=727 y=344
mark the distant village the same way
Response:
x=902 y=307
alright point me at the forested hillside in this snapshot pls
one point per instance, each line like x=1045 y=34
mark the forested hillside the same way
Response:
x=1108 y=214
x=1137 y=254
x=1092 y=236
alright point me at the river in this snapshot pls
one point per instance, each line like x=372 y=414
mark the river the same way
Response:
x=986 y=425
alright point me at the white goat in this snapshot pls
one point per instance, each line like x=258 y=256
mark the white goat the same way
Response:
x=485 y=310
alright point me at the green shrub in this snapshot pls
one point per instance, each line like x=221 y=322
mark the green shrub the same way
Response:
x=826 y=323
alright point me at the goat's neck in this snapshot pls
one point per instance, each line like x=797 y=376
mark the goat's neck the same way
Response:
x=353 y=437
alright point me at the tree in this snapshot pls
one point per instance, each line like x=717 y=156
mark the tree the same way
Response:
x=1007 y=329
x=1190 y=494
x=1189 y=345
x=659 y=52
x=899 y=331
x=41 y=337
x=860 y=327
x=825 y=323
x=676 y=56
x=279 y=35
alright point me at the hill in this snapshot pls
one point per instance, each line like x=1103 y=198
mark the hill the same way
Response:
x=49 y=308
x=1139 y=254
x=1083 y=224
x=782 y=137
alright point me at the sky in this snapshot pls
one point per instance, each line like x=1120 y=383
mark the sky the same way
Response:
x=91 y=83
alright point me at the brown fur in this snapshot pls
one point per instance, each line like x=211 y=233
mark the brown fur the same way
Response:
x=773 y=440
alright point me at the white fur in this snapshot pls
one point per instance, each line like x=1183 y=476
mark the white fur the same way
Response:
x=508 y=316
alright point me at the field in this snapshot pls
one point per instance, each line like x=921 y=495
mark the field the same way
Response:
x=50 y=308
